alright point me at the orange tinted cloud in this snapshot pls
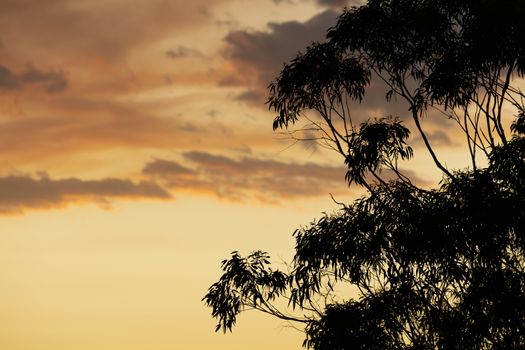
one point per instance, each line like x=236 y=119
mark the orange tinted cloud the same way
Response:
x=339 y=4
x=247 y=178
x=52 y=80
x=164 y=167
x=19 y=193
x=109 y=28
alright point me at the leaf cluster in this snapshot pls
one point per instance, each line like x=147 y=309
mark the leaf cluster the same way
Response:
x=377 y=144
x=246 y=282
x=322 y=73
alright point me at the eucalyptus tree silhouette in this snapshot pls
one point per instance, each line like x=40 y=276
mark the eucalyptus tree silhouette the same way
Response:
x=440 y=268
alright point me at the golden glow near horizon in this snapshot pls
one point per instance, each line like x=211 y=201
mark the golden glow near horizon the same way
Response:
x=133 y=277
x=137 y=153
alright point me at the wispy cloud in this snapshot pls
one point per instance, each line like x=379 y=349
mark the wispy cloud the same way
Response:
x=104 y=29
x=52 y=80
x=437 y=138
x=184 y=52
x=339 y=4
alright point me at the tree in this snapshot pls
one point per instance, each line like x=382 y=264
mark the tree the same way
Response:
x=440 y=268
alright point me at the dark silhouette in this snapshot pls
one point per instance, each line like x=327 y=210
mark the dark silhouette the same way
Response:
x=431 y=269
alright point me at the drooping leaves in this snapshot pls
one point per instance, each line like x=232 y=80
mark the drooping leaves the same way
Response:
x=245 y=282
x=378 y=143
x=312 y=78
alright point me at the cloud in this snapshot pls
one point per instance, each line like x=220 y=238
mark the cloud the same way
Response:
x=8 y=80
x=332 y=3
x=108 y=29
x=339 y=4
x=77 y=125
x=165 y=167
x=250 y=178
x=437 y=138
x=91 y=127
x=247 y=178
x=184 y=52
x=52 y=80
x=257 y=56
x=251 y=96
x=19 y=193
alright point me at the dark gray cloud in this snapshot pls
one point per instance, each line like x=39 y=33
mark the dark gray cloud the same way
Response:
x=52 y=80
x=19 y=193
x=257 y=56
x=248 y=177
x=284 y=1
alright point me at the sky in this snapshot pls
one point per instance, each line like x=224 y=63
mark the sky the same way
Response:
x=138 y=152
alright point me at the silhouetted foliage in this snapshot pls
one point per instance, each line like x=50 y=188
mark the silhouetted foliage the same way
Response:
x=439 y=268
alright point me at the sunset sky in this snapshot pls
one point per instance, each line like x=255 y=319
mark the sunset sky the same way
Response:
x=137 y=153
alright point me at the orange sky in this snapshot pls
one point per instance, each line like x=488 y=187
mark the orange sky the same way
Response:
x=137 y=152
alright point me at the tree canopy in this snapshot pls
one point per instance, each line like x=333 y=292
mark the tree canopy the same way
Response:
x=440 y=268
